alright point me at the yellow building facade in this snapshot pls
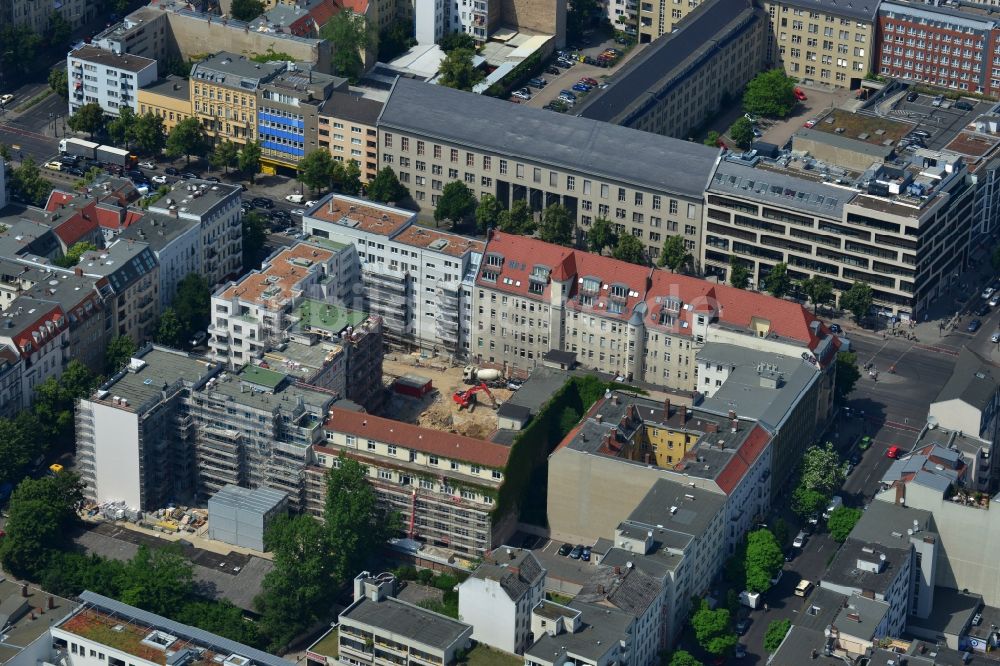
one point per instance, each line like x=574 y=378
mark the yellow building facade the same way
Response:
x=168 y=99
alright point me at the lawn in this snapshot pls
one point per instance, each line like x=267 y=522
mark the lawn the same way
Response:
x=328 y=645
x=482 y=655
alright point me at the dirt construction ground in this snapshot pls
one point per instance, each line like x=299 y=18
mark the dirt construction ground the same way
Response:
x=438 y=410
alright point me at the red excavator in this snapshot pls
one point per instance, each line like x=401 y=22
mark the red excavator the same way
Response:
x=467 y=398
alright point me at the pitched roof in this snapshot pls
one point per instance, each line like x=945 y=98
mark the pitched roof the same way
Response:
x=612 y=273
x=749 y=451
x=32 y=324
x=79 y=226
x=444 y=444
x=515 y=569
x=627 y=589
x=974 y=380
x=514 y=273
x=323 y=11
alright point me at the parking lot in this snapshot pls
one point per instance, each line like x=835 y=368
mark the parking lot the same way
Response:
x=818 y=102
x=573 y=74
x=941 y=122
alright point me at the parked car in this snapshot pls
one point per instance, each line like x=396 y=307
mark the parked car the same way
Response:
x=810 y=123
x=566 y=94
x=74 y=171
x=147 y=165
x=974 y=325
x=5 y=99
x=799 y=95
x=212 y=179
x=170 y=171
x=552 y=69
x=55 y=165
x=262 y=202
x=995 y=338
x=590 y=81
x=538 y=82
x=988 y=292
x=199 y=338
x=298 y=211
x=311 y=203
x=835 y=328
x=742 y=626
x=523 y=93
x=581 y=87
x=912 y=97
x=856 y=458
x=800 y=540
x=864 y=443
x=893 y=452
x=789 y=554
x=963 y=105
x=585 y=554
x=937 y=100
x=982 y=310
x=995 y=300
x=187 y=175
x=740 y=652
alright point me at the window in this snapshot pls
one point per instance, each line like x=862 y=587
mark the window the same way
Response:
x=432 y=460
x=470 y=160
x=570 y=183
x=371 y=445
x=392 y=450
x=437 y=152
x=503 y=167
x=487 y=162
x=404 y=143
x=420 y=147
x=454 y=465
x=454 y=155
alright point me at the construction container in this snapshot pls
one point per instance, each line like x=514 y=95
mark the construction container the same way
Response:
x=240 y=516
x=414 y=386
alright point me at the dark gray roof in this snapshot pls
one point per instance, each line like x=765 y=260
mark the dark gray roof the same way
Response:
x=844 y=571
x=123 y=61
x=695 y=508
x=974 y=381
x=352 y=107
x=626 y=588
x=861 y=616
x=158 y=230
x=887 y=523
x=602 y=628
x=779 y=189
x=864 y=10
x=515 y=569
x=576 y=144
x=170 y=86
x=668 y=61
x=413 y=622
x=799 y=646
x=517 y=412
x=235 y=71
x=820 y=609
x=124 y=263
x=951 y=613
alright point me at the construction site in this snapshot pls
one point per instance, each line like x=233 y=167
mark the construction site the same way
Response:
x=442 y=408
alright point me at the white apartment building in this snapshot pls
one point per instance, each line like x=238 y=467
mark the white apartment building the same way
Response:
x=107 y=78
x=215 y=207
x=39 y=331
x=497 y=599
x=176 y=244
x=296 y=283
x=418 y=280
x=430 y=18
x=580 y=635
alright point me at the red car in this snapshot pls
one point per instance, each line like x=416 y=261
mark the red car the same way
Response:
x=893 y=452
x=811 y=122
x=799 y=95
x=589 y=81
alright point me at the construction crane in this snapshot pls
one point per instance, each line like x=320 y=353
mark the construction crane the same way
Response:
x=467 y=398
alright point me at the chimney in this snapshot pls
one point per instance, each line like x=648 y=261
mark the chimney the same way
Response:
x=24 y=590
x=599 y=418
x=600 y=586
x=732 y=413
x=666 y=408
x=684 y=414
x=614 y=399
x=711 y=427
x=77 y=271
x=51 y=603
x=901 y=494
x=618 y=570
x=735 y=425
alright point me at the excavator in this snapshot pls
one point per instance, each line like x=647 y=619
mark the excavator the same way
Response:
x=467 y=398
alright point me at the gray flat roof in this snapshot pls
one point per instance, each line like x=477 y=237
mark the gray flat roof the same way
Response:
x=844 y=571
x=235 y=71
x=125 y=61
x=666 y=62
x=259 y=500
x=974 y=381
x=861 y=616
x=820 y=609
x=171 y=86
x=779 y=189
x=951 y=613
x=856 y=9
x=887 y=523
x=575 y=144
x=875 y=152
x=163 y=366
x=182 y=195
x=541 y=384
x=413 y=622
x=603 y=627
x=157 y=230
x=696 y=508
x=24 y=630
x=352 y=107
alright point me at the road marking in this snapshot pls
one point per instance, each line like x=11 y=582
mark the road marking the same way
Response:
x=23 y=132
x=937 y=350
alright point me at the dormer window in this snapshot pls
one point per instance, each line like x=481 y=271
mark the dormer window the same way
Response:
x=590 y=285
x=540 y=273
x=490 y=276
x=618 y=291
x=494 y=260
x=672 y=304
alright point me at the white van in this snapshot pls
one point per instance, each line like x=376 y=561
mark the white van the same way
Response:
x=295 y=198
x=835 y=503
x=803 y=588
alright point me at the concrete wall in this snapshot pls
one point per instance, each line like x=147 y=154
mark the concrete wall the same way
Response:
x=547 y=16
x=483 y=604
x=116 y=455
x=826 y=152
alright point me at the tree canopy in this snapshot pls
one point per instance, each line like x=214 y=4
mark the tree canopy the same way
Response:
x=59 y=81
x=763 y=560
x=775 y=634
x=386 y=188
x=73 y=254
x=121 y=130
x=847 y=374
x=120 y=350
x=683 y=658
x=88 y=118
x=192 y=303
x=315 y=170
x=347 y=177
x=841 y=521
x=254 y=236
x=771 y=94
x=40 y=515
x=822 y=470
x=457 y=203
x=27 y=182
x=148 y=134
x=741 y=132
x=818 y=290
x=457 y=70
x=348 y=32
x=248 y=159
x=739 y=274
x=169 y=331
x=858 y=300
x=712 y=630
x=488 y=212
x=518 y=220
x=246 y=10
x=601 y=235
x=187 y=138
x=630 y=249
x=226 y=153
x=557 y=225
x=778 y=282
x=674 y=255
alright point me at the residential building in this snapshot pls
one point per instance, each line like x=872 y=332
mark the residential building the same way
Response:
x=347 y=128
x=169 y=98
x=708 y=59
x=290 y=19
x=431 y=21
x=215 y=207
x=431 y=135
x=36 y=17
x=288 y=114
x=125 y=634
x=109 y=79
x=29 y=237
x=637 y=594
x=888 y=234
x=237 y=80
x=176 y=244
x=39 y=331
x=942 y=46
x=73 y=219
x=580 y=633
x=497 y=599
x=377 y=621
x=480 y=18
x=830 y=43
x=11 y=384
x=444 y=486
x=28 y=640
x=969 y=402
x=132 y=289
x=418 y=280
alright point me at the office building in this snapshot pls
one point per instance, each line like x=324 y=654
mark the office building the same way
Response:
x=831 y=43
x=418 y=280
x=288 y=114
x=444 y=486
x=498 y=597
x=347 y=123
x=431 y=135
x=686 y=75
x=109 y=79
x=949 y=45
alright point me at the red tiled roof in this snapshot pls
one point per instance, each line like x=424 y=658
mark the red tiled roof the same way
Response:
x=611 y=272
x=359 y=6
x=751 y=448
x=444 y=444
x=25 y=340
x=81 y=225
x=322 y=12
x=57 y=198
x=109 y=218
x=521 y=254
x=788 y=319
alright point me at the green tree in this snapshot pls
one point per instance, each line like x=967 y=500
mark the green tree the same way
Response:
x=630 y=249
x=27 y=181
x=5 y=152
x=73 y=254
x=581 y=15
x=807 y=502
x=270 y=55
x=219 y=617
x=226 y=153
x=294 y=594
x=711 y=629
x=763 y=560
x=18 y=50
x=55 y=401
x=775 y=634
x=315 y=170
x=176 y=66
x=683 y=658
x=674 y=255
x=847 y=374
x=349 y=178
x=386 y=188
x=254 y=236
x=159 y=580
x=349 y=33
x=780 y=530
x=457 y=70
x=457 y=40
x=59 y=81
x=778 y=282
x=121 y=129
x=601 y=235
x=995 y=259
x=711 y=139
x=739 y=274
x=187 y=138
x=822 y=470
x=818 y=289
x=148 y=134
x=246 y=10
x=59 y=31
x=741 y=132
x=18 y=445
x=557 y=225
x=395 y=39
x=518 y=220
x=169 y=331
x=771 y=94
x=841 y=521
x=192 y=304
x=488 y=211
x=248 y=159
x=88 y=118
x=120 y=350
x=457 y=203
x=40 y=514
x=858 y=299
x=355 y=525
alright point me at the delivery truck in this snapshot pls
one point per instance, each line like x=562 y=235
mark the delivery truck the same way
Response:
x=78 y=148
x=119 y=156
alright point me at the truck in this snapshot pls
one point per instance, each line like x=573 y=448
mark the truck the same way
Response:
x=475 y=375
x=751 y=599
x=119 y=156
x=78 y=148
